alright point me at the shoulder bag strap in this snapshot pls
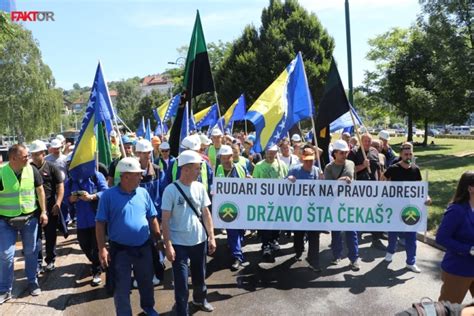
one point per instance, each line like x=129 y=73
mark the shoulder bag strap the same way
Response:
x=192 y=206
x=342 y=170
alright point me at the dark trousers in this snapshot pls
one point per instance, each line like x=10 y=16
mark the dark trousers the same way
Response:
x=88 y=244
x=268 y=237
x=235 y=238
x=50 y=235
x=158 y=262
x=197 y=255
x=313 y=242
x=123 y=260
x=352 y=244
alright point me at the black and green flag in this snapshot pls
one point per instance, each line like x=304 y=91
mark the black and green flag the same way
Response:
x=197 y=72
x=197 y=80
x=333 y=104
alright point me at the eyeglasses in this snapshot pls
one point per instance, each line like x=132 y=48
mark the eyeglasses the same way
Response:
x=164 y=150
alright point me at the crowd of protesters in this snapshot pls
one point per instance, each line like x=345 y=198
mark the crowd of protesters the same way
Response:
x=148 y=205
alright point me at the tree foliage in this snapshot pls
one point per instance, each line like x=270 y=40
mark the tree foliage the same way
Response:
x=29 y=103
x=128 y=99
x=256 y=58
x=145 y=108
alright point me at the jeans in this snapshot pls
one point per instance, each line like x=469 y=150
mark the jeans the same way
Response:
x=197 y=255
x=7 y=252
x=88 y=244
x=410 y=245
x=235 y=237
x=352 y=244
x=123 y=258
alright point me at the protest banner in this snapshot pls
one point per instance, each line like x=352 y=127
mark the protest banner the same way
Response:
x=319 y=205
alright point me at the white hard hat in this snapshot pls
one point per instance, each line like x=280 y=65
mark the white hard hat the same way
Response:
x=113 y=134
x=205 y=140
x=216 y=132
x=340 y=145
x=272 y=148
x=165 y=146
x=56 y=143
x=384 y=135
x=129 y=164
x=37 y=146
x=143 y=146
x=225 y=150
x=191 y=142
x=189 y=156
x=296 y=138
x=60 y=137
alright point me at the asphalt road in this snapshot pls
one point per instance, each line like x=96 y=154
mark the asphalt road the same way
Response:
x=284 y=287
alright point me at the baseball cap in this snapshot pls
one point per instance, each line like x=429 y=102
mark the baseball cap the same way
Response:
x=308 y=154
x=189 y=156
x=129 y=164
x=296 y=138
x=165 y=146
x=384 y=135
x=340 y=145
x=216 y=132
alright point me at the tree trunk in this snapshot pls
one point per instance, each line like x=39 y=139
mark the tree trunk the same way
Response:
x=410 y=128
x=425 y=138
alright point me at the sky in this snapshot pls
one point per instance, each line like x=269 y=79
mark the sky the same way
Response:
x=139 y=37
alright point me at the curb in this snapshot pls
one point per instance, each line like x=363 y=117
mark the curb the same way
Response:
x=430 y=240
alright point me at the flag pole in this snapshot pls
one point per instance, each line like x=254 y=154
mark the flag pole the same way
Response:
x=318 y=157
x=357 y=132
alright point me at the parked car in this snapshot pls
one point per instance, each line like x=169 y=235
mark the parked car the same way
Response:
x=460 y=130
x=433 y=132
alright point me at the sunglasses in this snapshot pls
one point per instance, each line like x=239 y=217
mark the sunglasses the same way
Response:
x=165 y=150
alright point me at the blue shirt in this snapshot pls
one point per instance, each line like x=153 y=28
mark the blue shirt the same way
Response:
x=85 y=211
x=456 y=234
x=126 y=215
x=299 y=173
x=155 y=185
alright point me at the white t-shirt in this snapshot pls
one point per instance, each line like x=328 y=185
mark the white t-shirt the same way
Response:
x=290 y=161
x=185 y=227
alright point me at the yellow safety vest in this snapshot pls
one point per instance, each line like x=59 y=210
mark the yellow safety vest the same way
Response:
x=240 y=171
x=17 y=197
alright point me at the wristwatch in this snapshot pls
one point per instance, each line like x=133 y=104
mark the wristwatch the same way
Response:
x=472 y=251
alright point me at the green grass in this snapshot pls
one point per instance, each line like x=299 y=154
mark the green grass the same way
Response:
x=444 y=167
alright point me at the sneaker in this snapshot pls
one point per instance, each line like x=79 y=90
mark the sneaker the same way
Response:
x=377 y=243
x=267 y=251
x=40 y=270
x=96 y=280
x=235 y=266
x=244 y=264
x=5 y=297
x=223 y=232
x=355 y=266
x=298 y=256
x=34 y=289
x=388 y=257
x=156 y=281
x=150 y=311
x=336 y=261
x=275 y=245
x=206 y=307
x=50 y=266
x=413 y=268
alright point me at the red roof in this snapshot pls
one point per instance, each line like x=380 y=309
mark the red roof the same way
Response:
x=113 y=93
x=154 y=80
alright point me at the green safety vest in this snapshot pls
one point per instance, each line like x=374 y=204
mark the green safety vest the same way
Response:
x=174 y=172
x=116 y=176
x=212 y=154
x=240 y=171
x=242 y=161
x=17 y=197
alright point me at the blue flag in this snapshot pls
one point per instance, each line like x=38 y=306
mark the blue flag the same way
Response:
x=209 y=118
x=187 y=124
x=161 y=128
x=283 y=104
x=83 y=162
x=345 y=121
x=141 y=130
x=148 y=131
x=236 y=112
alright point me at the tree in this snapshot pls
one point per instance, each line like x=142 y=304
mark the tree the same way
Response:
x=256 y=58
x=30 y=104
x=128 y=98
x=146 y=106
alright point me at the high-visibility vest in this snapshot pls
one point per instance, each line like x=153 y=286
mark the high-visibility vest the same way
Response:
x=17 y=197
x=242 y=161
x=240 y=171
x=212 y=154
x=116 y=176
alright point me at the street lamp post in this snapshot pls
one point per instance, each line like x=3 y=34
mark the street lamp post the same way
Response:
x=176 y=62
x=349 y=54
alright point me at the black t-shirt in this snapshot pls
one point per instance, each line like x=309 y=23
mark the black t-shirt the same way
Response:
x=112 y=167
x=51 y=176
x=397 y=173
x=358 y=158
